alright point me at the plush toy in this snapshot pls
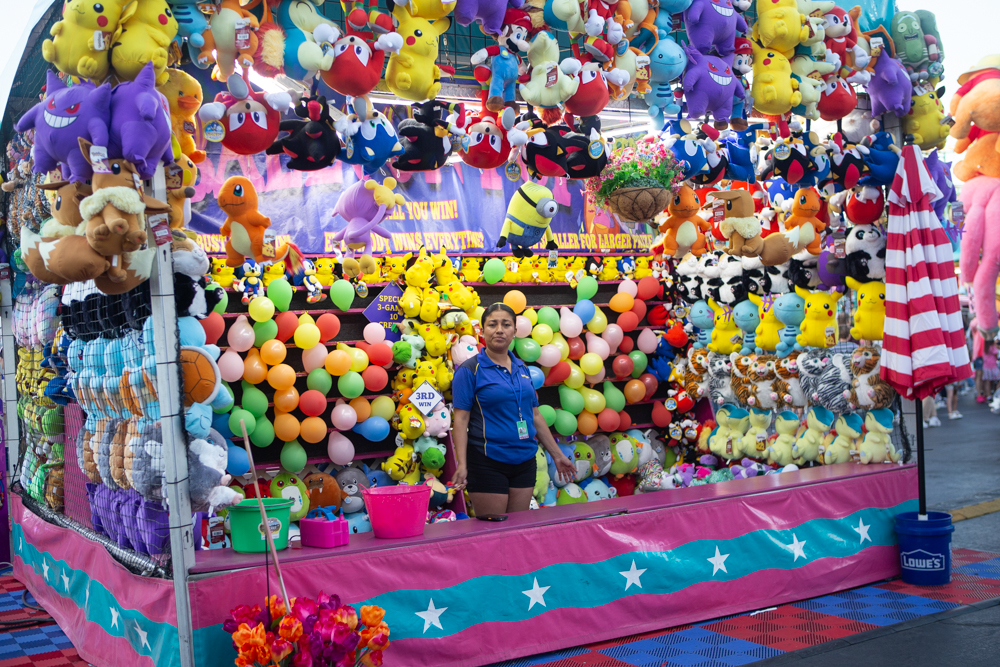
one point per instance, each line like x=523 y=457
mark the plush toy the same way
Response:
x=720 y=389
x=740 y=377
x=64 y=116
x=411 y=73
x=592 y=95
x=624 y=455
x=504 y=59
x=207 y=477
x=139 y=129
x=491 y=14
x=323 y=490
x=842 y=43
x=726 y=336
x=806 y=205
x=842 y=447
x=807 y=444
x=754 y=443
x=833 y=385
x=427 y=137
x=712 y=26
x=740 y=227
x=288 y=486
x=81 y=40
x=869 y=389
x=819 y=327
x=251 y=284
x=369 y=138
x=918 y=44
x=551 y=82
x=249 y=122
x=190 y=266
x=312 y=143
x=543 y=149
x=890 y=86
x=180 y=189
x=232 y=38
x=790 y=310
x=787 y=386
x=940 y=171
x=352 y=481
x=869 y=318
x=809 y=72
x=739 y=424
x=780 y=26
x=244 y=226
x=710 y=87
x=145 y=37
x=488 y=146
x=766 y=334
x=587 y=156
x=865 y=258
x=779 y=450
x=876 y=447
x=293 y=43
x=191 y=25
x=882 y=159
x=696 y=372
x=774 y=91
x=926 y=120
x=359 y=58
x=570 y=494
x=529 y=213
x=837 y=100
x=667 y=62
x=747 y=318
x=684 y=228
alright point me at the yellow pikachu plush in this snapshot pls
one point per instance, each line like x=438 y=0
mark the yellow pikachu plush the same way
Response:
x=869 y=318
x=925 y=120
x=145 y=37
x=273 y=272
x=411 y=73
x=324 y=270
x=726 y=336
x=774 y=91
x=395 y=267
x=222 y=274
x=819 y=328
x=81 y=40
x=767 y=337
x=780 y=26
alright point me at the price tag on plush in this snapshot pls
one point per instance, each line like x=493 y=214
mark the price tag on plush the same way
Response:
x=159 y=224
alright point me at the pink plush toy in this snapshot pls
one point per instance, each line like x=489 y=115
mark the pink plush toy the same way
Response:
x=980 y=259
x=438 y=422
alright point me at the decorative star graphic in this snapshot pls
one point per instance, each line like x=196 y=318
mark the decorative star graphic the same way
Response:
x=142 y=636
x=797 y=548
x=632 y=576
x=718 y=562
x=114 y=617
x=45 y=570
x=65 y=581
x=862 y=530
x=86 y=597
x=432 y=616
x=536 y=594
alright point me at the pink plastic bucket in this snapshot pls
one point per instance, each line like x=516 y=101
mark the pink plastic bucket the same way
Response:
x=397 y=511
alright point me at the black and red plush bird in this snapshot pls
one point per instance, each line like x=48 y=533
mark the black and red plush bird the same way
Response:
x=430 y=136
x=312 y=143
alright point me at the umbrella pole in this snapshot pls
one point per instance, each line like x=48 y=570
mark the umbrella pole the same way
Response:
x=921 y=487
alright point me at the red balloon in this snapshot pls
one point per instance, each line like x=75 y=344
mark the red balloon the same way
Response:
x=558 y=373
x=626 y=345
x=329 y=327
x=661 y=416
x=287 y=324
x=622 y=365
x=214 y=326
x=375 y=378
x=608 y=420
x=639 y=308
x=628 y=321
x=312 y=403
x=577 y=348
x=651 y=383
x=379 y=354
x=624 y=421
x=647 y=288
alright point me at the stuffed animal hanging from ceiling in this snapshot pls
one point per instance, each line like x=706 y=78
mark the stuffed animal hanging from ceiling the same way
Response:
x=359 y=58
x=232 y=38
x=139 y=129
x=145 y=38
x=248 y=121
x=364 y=206
x=427 y=137
x=369 y=138
x=288 y=42
x=488 y=146
x=529 y=213
x=80 y=41
x=312 y=143
x=503 y=71
x=184 y=97
x=412 y=73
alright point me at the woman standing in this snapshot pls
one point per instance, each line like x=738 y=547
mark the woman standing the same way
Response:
x=497 y=425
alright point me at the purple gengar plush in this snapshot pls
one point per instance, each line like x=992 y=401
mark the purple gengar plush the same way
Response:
x=890 y=87
x=712 y=25
x=709 y=85
x=139 y=130
x=489 y=13
x=940 y=171
x=66 y=114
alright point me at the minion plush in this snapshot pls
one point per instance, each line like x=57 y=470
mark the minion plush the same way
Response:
x=144 y=38
x=529 y=213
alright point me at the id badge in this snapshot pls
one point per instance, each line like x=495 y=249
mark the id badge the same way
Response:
x=522 y=429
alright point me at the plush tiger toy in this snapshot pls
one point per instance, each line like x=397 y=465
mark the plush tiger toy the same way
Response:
x=834 y=383
x=787 y=385
x=762 y=376
x=740 y=380
x=811 y=365
x=696 y=373
x=720 y=389
x=868 y=389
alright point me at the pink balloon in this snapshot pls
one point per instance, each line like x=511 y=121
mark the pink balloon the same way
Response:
x=613 y=335
x=343 y=417
x=628 y=287
x=374 y=333
x=230 y=366
x=550 y=356
x=240 y=335
x=314 y=357
x=570 y=323
x=594 y=379
x=522 y=327
x=598 y=346
x=339 y=449
x=647 y=341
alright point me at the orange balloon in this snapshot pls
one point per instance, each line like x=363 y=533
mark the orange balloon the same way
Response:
x=516 y=300
x=313 y=429
x=338 y=362
x=286 y=427
x=622 y=302
x=362 y=407
x=273 y=352
x=586 y=423
x=286 y=400
x=635 y=391
x=254 y=369
x=281 y=377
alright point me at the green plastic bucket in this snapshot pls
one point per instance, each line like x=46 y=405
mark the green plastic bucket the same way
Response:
x=247 y=531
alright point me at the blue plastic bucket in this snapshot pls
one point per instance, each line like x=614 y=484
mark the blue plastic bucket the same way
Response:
x=925 y=548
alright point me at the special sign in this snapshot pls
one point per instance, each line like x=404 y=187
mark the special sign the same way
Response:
x=384 y=309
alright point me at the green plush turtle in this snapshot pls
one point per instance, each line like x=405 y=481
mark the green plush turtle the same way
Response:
x=289 y=486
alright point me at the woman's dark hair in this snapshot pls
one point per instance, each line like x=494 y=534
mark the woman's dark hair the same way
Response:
x=494 y=308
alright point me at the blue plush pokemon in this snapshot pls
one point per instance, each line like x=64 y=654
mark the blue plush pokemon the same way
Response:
x=369 y=138
x=667 y=62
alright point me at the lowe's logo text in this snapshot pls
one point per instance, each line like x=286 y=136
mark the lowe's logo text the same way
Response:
x=922 y=560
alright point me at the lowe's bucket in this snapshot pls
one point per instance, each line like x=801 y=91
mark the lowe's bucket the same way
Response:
x=925 y=548
x=247 y=530
x=397 y=511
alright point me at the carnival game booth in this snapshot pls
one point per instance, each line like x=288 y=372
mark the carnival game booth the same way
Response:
x=235 y=307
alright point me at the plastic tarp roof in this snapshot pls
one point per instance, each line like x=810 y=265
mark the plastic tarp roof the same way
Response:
x=14 y=61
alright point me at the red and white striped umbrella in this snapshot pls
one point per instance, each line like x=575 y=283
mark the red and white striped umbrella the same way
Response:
x=923 y=348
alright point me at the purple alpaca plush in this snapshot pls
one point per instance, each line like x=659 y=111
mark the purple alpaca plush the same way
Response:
x=140 y=123
x=66 y=114
x=890 y=87
x=489 y=13
x=940 y=171
x=712 y=25
x=709 y=85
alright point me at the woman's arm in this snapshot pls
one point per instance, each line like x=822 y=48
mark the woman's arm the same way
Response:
x=564 y=466
x=460 y=440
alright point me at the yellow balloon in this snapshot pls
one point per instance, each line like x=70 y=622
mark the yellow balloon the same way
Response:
x=261 y=309
x=385 y=407
x=590 y=364
x=306 y=336
x=576 y=378
x=559 y=341
x=306 y=318
x=359 y=360
x=531 y=315
x=593 y=401
x=542 y=333
x=598 y=323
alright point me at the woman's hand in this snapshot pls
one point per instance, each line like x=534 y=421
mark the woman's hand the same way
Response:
x=459 y=478
x=565 y=468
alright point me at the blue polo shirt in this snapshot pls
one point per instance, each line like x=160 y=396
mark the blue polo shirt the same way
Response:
x=489 y=392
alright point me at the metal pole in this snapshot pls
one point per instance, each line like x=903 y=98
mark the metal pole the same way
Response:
x=921 y=488
x=168 y=389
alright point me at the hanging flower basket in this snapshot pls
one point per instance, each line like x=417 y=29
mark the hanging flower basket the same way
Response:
x=638 y=182
x=638 y=204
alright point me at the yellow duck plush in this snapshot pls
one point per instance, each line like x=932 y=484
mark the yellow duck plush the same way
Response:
x=144 y=38
x=766 y=335
x=324 y=270
x=411 y=73
x=924 y=121
x=81 y=40
x=819 y=328
x=780 y=26
x=869 y=318
x=726 y=336
x=774 y=91
x=184 y=96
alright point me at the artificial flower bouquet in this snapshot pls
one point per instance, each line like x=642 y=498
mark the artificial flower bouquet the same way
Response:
x=637 y=182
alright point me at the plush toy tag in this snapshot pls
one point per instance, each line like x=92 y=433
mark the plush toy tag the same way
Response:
x=513 y=170
x=159 y=224
x=553 y=259
x=876 y=44
x=735 y=338
x=174 y=176
x=137 y=182
x=840 y=248
x=831 y=336
x=208 y=8
x=99 y=160
x=216 y=132
x=919 y=90
x=268 y=248
x=242 y=34
x=100 y=44
x=782 y=151
x=670 y=404
x=189 y=127
x=361 y=289
x=718 y=211
x=595 y=149
x=551 y=76
x=4 y=271
x=957 y=213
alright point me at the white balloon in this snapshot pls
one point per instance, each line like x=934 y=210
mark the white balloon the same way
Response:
x=628 y=286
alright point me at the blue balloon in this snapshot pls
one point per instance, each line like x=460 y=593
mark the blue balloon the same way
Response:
x=537 y=376
x=585 y=310
x=220 y=422
x=375 y=429
x=237 y=463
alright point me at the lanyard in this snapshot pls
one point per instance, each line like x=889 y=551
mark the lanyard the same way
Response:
x=516 y=389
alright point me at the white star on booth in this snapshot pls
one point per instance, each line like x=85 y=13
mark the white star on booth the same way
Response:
x=797 y=548
x=862 y=530
x=45 y=570
x=432 y=616
x=142 y=636
x=718 y=561
x=632 y=576
x=114 y=617
x=536 y=594
x=65 y=580
x=86 y=597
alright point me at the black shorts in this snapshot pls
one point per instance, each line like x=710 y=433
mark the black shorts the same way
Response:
x=489 y=476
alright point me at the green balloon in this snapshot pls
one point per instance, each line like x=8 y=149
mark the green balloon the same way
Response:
x=350 y=384
x=264 y=331
x=220 y=307
x=342 y=294
x=254 y=400
x=263 y=435
x=280 y=293
x=550 y=316
x=527 y=349
x=570 y=399
x=293 y=456
x=319 y=380
x=639 y=362
x=565 y=423
x=549 y=413
x=613 y=397
x=248 y=420
x=229 y=404
x=586 y=288
x=493 y=270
